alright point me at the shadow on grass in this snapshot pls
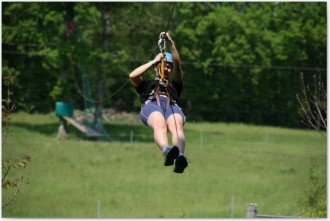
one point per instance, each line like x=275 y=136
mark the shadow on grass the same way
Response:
x=129 y=133
x=116 y=132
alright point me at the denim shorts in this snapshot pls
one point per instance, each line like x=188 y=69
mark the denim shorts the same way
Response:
x=152 y=106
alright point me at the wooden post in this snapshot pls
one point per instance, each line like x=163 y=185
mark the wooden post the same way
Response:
x=63 y=129
x=251 y=210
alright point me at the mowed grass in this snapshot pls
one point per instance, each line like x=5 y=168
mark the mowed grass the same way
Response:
x=230 y=165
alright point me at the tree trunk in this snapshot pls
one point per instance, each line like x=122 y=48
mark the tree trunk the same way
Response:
x=101 y=82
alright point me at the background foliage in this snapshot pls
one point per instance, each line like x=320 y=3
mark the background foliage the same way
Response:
x=242 y=61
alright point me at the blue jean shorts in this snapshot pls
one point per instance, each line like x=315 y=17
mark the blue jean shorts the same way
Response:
x=152 y=106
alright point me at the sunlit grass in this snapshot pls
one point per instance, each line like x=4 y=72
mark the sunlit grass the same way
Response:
x=67 y=178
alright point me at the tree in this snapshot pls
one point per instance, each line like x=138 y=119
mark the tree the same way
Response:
x=245 y=58
x=313 y=102
x=32 y=40
x=242 y=60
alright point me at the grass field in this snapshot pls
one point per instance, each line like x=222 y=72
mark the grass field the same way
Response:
x=231 y=165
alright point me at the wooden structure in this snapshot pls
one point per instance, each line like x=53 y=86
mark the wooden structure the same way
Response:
x=252 y=212
x=89 y=132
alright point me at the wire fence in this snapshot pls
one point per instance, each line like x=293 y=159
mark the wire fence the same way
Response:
x=252 y=212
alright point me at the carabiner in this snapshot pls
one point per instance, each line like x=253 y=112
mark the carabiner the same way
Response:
x=162 y=43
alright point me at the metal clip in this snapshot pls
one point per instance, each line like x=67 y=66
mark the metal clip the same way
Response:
x=162 y=43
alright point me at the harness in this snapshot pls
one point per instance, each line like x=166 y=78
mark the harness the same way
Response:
x=162 y=88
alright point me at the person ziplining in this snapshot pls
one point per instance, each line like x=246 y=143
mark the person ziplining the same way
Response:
x=159 y=97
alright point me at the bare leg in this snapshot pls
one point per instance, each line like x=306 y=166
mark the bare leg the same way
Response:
x=157 y=122
x=175 y=126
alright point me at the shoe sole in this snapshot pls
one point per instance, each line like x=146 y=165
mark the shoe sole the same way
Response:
x=171 y=156
x=180 y=164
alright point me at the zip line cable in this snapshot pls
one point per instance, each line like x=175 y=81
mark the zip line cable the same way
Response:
x=123 y=85
x=169 y=20
x=166 y=29
x=162 y=48
x=162 y=69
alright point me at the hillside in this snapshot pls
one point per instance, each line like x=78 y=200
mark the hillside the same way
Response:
x=230 y=165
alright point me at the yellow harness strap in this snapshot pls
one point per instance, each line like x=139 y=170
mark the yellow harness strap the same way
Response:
x=163 y=81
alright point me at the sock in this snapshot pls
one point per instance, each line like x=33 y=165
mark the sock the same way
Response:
x=164 y=148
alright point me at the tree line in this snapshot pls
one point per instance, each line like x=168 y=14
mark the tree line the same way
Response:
x=242 y=61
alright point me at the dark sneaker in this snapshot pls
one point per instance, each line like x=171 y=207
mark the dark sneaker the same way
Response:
x=180 y=164
x=170 y=155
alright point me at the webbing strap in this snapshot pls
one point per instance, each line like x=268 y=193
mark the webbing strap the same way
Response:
x=162 y=68
x=156 y=94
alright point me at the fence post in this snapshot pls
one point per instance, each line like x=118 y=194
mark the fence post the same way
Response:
x=251 y=210
x=98 y=209
x=232 y=202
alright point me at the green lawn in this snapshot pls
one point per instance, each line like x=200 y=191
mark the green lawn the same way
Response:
x=230 y=164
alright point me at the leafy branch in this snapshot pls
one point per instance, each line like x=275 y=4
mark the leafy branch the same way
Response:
x=313 y=103
x=314 y=200
x=16 y=183
x=7 y=107
x=8 y=165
